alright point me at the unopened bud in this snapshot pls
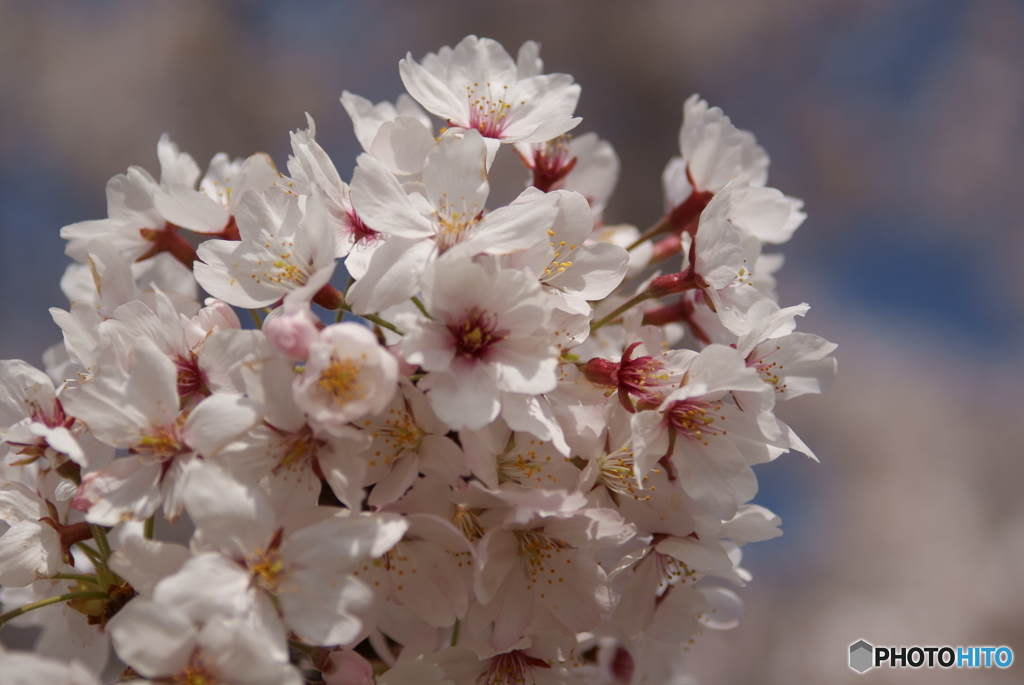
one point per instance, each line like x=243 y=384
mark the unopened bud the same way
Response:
x=345 y=667
x=291 y=333
x=602 y=371
x=672 y=284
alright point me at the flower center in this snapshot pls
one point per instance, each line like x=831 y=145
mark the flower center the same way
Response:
x=511 y=669
x=400 y=434
x=615 y=472
x=162 y=443
x=694 y=418
x=672 y=571
x=488 y=111
x=468 y=522
x=768 y=369
x=360 y=232
x=196 y=673
x=454 y=225
x=475 y=333
x=539 y=552
x=551 y=163
x=267 y=569
x=300 y=448
x=341 y=379
x=190 y=379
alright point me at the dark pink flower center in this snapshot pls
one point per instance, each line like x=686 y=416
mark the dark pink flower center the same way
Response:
x=488 y=111
x=475 y=332
x=695 y=419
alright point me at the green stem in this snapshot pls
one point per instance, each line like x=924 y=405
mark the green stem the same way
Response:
x=455 y=633
x=257 y=318
x=646 y=295
x=148 y=526
x=382 y=323
x=93 y=555
x=421 y=307
x=99 y=534
x=75 y=576
x=15 y=613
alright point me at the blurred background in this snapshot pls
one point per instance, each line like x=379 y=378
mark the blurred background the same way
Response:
x=900 y=124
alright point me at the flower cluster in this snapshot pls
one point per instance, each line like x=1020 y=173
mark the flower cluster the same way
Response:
x=521 y=453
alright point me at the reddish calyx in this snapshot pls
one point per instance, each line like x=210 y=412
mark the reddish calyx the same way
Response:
x=630 y=377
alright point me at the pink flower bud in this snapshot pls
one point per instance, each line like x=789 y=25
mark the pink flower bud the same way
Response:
x=347 y=668
x=293 y=332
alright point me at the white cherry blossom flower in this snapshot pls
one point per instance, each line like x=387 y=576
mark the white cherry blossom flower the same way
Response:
x=476 y=85
x=282 y=247
x=487 y=338
x=348 y=376
x=160 y=642
x=447 y=221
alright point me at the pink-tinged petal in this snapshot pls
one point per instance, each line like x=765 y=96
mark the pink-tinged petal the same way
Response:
x=24 y=391
x=220 y=276
x=130 y=199
x=176 y=167
x=715 y=475
x=403 y=145
x=455 y=176
x=533 y=415
x=153 y=383
x=635 y=609
x=528 y=61
x=256 y=175
x=704 y=556
x=229 y=514
x=232 y=647
x=752 y=523
x=345 y=475
x=436 y=592
x=497 y=556
x=318 y=238
x=524 y=371
x=223 y=355
x=675 y=620
x=348 y=668
x=719 y=254
x=441 y=457
x=722 y=368
x=596 y=271
x=323 y=608
x=392 y=276
x=583 y=597
x=208 y=585
x=29 y=550
x=155 y=640
x=276 y=376
x=434 y=94
x=143 y=563
x=128 y=489
x=18 y=503
x=218 y=420
x=543 y=108
x=514 y=606
x=382 y=203
x=189 y=209
x=464 y=397
x=399 y=479
x=367 y=118
x=726 y=608
x=650 y=441
x=432 y=346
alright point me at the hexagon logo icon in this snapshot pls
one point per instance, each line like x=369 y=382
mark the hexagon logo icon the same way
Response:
x=861 y=656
